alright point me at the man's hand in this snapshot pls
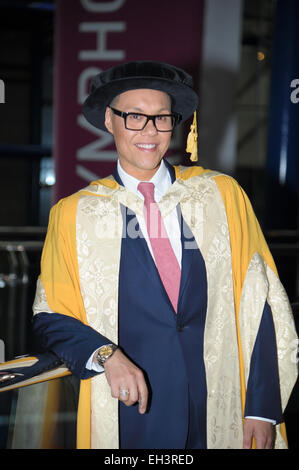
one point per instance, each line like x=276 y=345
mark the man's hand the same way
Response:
x=261 y=431
x=122 y=374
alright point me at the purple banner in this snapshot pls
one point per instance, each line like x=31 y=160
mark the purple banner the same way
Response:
x=93 y=35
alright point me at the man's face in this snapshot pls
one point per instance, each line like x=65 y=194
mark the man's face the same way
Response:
x=139 y=152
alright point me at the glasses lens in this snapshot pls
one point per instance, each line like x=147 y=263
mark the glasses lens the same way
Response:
x=135 y=121
x=164 y=122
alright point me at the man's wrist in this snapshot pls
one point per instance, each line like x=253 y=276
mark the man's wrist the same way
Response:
x=268 y=420
x=104 y=353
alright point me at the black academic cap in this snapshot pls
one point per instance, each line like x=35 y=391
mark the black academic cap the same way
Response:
x=135 y=75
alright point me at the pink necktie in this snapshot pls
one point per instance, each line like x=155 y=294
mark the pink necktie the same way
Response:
x=166 y=261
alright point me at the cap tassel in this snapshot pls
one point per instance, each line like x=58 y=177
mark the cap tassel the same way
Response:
x=192 y=140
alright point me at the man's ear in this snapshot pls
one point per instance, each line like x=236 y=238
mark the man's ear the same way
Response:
x=108 y=120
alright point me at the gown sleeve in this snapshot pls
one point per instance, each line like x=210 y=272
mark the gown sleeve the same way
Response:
x=59 y=318
x=264 y=320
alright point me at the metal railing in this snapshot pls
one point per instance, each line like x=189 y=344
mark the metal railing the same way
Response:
x=19 y=269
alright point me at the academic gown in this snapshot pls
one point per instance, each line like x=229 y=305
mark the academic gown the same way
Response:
x=176 y=351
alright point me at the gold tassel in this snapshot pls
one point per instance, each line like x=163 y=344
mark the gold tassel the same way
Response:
x=192 y=140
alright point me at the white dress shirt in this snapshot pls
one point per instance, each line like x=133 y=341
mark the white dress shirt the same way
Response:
x=162 y=182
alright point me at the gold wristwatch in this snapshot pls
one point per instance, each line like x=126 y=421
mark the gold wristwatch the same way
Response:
x=105 y=352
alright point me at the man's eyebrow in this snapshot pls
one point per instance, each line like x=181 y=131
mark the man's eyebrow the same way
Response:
x=139 y=110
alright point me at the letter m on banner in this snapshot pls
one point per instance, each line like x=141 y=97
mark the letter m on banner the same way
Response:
x=2 y=91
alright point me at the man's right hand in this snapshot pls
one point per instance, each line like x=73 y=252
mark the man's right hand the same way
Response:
x=123 y=375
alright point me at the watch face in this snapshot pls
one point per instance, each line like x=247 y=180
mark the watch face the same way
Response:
x=105 y=351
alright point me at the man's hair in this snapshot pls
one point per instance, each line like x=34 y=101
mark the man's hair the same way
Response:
x=115 y=100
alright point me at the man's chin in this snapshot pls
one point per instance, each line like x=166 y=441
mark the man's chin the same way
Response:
x=149 y=164
x=139 y=166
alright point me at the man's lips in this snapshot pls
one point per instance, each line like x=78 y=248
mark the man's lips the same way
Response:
x=147 y=147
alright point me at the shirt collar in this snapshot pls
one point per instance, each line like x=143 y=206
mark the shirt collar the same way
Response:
x=161 y=180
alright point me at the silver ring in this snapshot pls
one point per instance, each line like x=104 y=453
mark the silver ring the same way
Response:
x=124 y=393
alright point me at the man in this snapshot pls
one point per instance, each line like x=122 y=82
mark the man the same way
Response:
x=158 y=290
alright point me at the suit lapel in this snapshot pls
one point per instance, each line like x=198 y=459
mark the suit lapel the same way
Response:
x=141 y=251
x=170 y=170
x=186 y=238
x=138 y=248
x=187 y=255
x=117 y=177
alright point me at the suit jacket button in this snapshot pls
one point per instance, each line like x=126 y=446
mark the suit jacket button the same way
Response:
x=180 y=328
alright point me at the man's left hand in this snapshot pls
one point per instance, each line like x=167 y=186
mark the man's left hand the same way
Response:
x=261 y=431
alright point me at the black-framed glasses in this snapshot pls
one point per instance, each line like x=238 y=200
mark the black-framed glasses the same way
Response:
x=138 y=121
